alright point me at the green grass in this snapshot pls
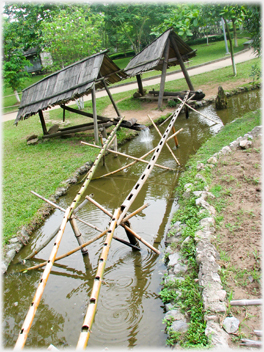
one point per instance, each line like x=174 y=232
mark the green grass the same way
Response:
x=40 y=168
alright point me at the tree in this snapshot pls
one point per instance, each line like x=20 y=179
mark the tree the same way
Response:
x=14 y=61
x=29 y=18
x=252 y=23
x=75 y=33
x=183 y=19
x=130 y=25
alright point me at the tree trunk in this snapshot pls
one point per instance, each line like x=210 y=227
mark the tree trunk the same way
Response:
x=231 y=47
x=17 y=96
x=235 y=34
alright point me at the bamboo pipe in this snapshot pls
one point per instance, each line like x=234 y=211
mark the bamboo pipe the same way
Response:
x=68 y=253
x=174 y=157
x=36 y=300
x=199 y=112
x=142 y=179
x=36 y=251
x=129 y=156
x=34 y=305
x=74 y=216
x=89 y=318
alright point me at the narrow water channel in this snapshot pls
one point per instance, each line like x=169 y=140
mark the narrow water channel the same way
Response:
x=129 y=312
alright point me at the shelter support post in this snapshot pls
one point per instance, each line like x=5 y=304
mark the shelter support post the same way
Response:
x=96 y=137
x=140 y=85
x=163 y=74
x=111 y=98
x=63 y=116
x=178 y=55
x=43 y=123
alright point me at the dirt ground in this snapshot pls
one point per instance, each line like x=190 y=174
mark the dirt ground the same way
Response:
x=150 y=108
x=238 y=238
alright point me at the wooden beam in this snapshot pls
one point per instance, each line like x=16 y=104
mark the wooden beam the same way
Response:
x=43 y=124
x=96 y=136
x=140 y=86
x=186 y=75
x=163 y=74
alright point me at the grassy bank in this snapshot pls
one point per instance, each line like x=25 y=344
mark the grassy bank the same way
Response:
x=44 y=166
x=190 y=300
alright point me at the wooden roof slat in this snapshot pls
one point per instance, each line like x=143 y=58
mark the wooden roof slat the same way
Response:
x=68 y=84
x=150 y=57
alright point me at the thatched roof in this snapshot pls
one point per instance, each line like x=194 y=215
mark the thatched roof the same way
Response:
x=152 y=56
x=68 y=84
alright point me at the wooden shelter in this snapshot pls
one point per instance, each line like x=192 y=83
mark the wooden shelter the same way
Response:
x=71 y=83
x=165 y=51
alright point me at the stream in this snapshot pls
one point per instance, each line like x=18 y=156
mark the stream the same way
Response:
x=129 y=312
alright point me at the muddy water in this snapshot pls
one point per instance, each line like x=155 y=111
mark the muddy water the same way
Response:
x=129 y=312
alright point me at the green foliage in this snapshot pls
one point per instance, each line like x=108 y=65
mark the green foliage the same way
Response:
x=14 y=59
x=252 y=24
x=255 y=73
x=72 y=35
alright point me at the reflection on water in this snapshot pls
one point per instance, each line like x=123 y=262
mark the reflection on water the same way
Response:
x=129 y=312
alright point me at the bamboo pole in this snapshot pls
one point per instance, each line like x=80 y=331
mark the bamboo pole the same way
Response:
x=68 y=253
x=139 y=184
x=34 y=305
x=135 y=212
x=128 y=156
x=174 y=134
x=251 y=343
x=174 y=157
x=141 y=239
x=175 y=138
x=258 y=333
x=199 y=112
x=36 y=300
x=246 y=302
x=78 y=235
x=36 y=251
x=124 y=167
x=73 y=216
x=89 y=318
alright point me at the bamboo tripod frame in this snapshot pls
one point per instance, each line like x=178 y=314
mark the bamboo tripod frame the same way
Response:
x=117 y=219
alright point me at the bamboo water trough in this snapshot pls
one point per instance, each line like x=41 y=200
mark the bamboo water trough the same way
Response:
x=119 y=217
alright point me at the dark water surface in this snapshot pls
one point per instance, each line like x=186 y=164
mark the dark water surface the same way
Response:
x=129 y=312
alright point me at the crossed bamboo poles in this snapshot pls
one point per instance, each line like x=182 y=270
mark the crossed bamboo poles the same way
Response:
x=116 y=219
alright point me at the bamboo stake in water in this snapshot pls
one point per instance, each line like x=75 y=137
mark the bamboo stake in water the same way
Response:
x=174 y=157
x=22 y=337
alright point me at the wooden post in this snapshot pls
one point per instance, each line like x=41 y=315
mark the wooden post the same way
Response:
x=96 y=138
x=63 y=116
x=163 y=74
x=111 y=98
x=140 y=86
x=78 y=235
x=132 y=239
x=43 y=124
x=175 y=138
x=178 y=55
